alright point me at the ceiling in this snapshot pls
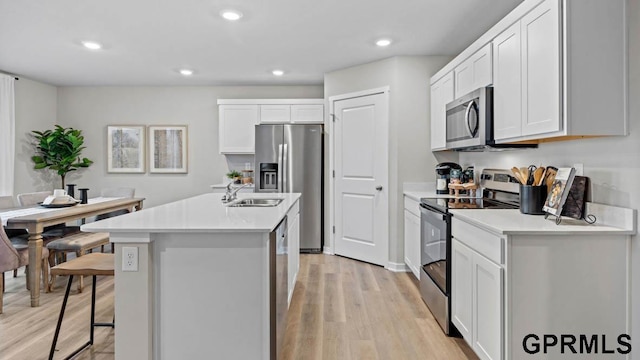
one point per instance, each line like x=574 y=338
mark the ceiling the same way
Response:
x=146 y=42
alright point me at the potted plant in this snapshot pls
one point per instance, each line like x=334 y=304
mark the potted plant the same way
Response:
x=59 y=150
x=235 y=176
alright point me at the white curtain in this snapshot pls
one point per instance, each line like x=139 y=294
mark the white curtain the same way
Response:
x=7 y=134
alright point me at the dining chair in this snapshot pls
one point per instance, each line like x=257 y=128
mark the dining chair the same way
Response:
x=30 y=199
x=6 y=202
x=13 y=257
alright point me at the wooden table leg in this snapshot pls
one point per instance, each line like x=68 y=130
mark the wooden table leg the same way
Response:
x=35 y=267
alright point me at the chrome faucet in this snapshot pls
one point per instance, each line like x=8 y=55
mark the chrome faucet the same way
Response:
x=231 y=194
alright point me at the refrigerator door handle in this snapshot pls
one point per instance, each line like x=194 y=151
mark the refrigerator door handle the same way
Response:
x=280 y=168
x=285 y=170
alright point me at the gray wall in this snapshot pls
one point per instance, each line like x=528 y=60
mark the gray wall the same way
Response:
x=91 y=109
x=612 y=164
x=410 y=158
x=36 y=109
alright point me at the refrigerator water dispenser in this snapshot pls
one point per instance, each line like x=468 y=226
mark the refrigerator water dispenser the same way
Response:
x=268 y=176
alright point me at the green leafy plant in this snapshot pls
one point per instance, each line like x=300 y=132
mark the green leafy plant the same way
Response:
x=234 y=174
x=60 y=150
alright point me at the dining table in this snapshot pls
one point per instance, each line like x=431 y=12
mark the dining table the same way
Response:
x=35 y=218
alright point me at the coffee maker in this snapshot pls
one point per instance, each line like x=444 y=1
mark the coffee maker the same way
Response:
x=442 y=176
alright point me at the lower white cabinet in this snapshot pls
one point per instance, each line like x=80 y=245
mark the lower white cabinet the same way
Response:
x=477 y=295
x=412 y=236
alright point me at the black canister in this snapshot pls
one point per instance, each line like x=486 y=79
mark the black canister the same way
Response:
x=84 y=195
x=532 y=199
x=71 y=190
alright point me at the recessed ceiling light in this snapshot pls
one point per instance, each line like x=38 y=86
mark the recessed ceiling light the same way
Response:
x=231 y=15
x=92 y=45
x=186 y=72
x=383 y=42
x=277 y=72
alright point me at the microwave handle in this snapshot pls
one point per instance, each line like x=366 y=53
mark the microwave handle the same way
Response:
x=472 y=133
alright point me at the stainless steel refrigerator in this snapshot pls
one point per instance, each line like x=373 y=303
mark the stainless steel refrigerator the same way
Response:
x=288 y=158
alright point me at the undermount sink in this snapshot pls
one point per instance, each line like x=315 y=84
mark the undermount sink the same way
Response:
x=255 y=202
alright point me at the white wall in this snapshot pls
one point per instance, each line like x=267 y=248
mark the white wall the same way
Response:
x=410 y=158
x=91 y=109
x=36 y=109
x=612 y=164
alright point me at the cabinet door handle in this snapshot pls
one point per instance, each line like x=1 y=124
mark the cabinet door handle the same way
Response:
x=379 y=188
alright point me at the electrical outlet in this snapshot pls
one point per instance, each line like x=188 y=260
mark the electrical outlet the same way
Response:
x=129 y=258
x=579 y=169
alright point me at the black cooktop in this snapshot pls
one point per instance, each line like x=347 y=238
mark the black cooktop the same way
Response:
x=444 y=204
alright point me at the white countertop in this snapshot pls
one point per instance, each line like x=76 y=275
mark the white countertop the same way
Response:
x=512 y=222
x=416 y=191
x=202 y=213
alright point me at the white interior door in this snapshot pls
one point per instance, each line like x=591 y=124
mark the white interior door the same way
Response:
x=361 y=161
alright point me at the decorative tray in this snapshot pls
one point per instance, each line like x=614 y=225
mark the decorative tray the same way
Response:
x=58 y=205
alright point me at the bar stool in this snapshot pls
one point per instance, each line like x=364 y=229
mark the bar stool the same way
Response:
x=93 y=264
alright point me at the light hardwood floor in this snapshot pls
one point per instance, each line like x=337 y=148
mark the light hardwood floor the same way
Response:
x=342 y=309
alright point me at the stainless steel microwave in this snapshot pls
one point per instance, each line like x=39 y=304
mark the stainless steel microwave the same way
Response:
x=469 y=120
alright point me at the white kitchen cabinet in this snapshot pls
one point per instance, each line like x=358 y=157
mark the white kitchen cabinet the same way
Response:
x=477 y=289
x=293 y=237
x=442 y=93
x=412 y=235
x=487 y=308
x=554 y=74
x=474 y=73
x=507 y=84
x=275 y=114
x=540 y=44
x=527 y=75
x=292 y=114
x=237 y=128
x=307 y=114
x=559 y=68
x=461 y=289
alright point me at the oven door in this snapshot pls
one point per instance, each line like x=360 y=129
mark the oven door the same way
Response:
x=435 y=251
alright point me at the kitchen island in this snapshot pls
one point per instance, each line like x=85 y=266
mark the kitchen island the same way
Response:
x=203 y=283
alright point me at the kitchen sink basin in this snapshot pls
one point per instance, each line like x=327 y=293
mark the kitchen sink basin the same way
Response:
x=255 y=202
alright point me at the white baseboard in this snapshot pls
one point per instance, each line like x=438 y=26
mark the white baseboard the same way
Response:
x=327 y=251
x=397 y=267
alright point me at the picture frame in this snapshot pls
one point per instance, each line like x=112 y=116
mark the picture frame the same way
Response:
x=168 y=149
x=126 y=149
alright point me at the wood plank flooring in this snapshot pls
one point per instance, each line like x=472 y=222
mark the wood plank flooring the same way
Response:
x=342 y=309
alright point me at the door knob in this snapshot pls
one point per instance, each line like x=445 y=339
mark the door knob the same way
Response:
x=379 y=188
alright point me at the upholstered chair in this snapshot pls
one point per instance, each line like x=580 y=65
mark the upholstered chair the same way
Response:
x=13 y=257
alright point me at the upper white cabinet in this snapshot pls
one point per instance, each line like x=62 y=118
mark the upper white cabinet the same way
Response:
x=558 y=68
x=563 y=91
x=275 y=114
x=527 y=75
x=507 y=102
x=441 y=94
x=292 y=114
x=237 y=128
x=238 y=118
x=474 y=73
x=307 y=114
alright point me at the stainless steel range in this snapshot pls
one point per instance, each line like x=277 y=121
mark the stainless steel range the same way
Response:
x=500 y=191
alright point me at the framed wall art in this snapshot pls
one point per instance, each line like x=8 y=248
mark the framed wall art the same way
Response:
x=126 y=149
x=168 y=149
